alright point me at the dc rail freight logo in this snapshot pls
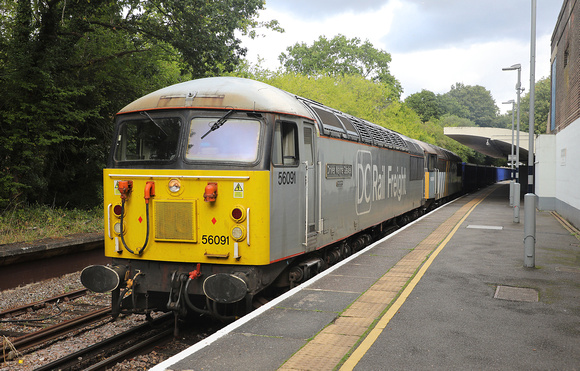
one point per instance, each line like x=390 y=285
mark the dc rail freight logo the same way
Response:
x=375 y=184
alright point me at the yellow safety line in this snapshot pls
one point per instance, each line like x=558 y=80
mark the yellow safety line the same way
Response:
x=373 y=335
x=569 y=227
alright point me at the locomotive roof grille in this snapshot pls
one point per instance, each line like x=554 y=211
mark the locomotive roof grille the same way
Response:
x=400 y=142
x=365 y=136
x=333 y=132
x=350 y=129
x=377 y=135
x=389 y=139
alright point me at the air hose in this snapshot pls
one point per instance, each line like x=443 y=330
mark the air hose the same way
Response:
x=149 y=192
x=122 y=234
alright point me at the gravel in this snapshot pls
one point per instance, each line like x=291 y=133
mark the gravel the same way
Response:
x=72 y=342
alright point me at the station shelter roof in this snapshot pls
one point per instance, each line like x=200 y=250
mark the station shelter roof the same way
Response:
x=493 y=142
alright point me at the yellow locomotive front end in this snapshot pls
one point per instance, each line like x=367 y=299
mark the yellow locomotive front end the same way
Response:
x=173 y=234
x=186 y=199
x=190 y=216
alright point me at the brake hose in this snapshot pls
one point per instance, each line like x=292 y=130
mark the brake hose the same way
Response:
x=149 y=192
x=122 y=234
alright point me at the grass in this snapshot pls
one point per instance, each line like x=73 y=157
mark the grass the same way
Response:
x=39 y=221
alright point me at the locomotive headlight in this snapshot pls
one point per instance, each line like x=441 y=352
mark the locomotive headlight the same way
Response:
x=117 y=228
x=238 y=233
x=174 y=186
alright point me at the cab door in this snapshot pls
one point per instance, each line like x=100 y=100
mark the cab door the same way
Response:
x=433 y=176
x=287 y=191
x=311 y=183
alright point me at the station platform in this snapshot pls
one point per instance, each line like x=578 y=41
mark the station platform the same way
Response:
x=449 y=291
x=27 y=262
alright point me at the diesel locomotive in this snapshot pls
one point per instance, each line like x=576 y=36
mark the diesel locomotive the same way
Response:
x=220 y=190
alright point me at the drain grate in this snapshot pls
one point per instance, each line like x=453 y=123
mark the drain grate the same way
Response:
x=515 y=293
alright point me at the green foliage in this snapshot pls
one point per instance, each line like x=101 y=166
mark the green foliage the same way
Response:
x=451 y=106
x=340 y=56
x=542 y=100
x=473 y=103
x=66 y=67
x=448 y=120
x=477 y=100
x=36 y=222
x=353 y=93
x=426 y=104
x=503 y=121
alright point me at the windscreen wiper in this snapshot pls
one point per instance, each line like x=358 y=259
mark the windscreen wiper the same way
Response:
x=153 y=121
x=218 y=123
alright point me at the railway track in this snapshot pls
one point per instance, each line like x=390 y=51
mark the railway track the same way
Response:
x=22 y=344
x=38 y=338
x=98 y=356
x=41 y=331
x=41 y=303
x=115 y=349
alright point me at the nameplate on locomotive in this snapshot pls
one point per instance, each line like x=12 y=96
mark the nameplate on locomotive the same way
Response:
x=338 y=171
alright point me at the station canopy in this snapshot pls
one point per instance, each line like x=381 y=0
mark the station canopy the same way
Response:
x=493 y=142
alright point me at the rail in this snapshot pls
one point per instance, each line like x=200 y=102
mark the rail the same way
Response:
x=106 y=353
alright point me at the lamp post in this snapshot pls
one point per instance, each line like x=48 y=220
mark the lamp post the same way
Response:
x=516 y=193
x=512 y=102
x=530 y=197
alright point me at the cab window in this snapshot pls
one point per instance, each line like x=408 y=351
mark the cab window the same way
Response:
x=236 y=140
x=308 y=151
x=432 y=163
x=285 y=146
x=150 y=139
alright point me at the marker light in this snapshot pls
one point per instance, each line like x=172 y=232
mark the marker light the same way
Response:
x=238 y=233
x=174 y=185
x=238 y=214
x=117 y=228
x=117 y=210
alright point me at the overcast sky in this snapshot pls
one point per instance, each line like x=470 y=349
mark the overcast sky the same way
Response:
x=433 y=43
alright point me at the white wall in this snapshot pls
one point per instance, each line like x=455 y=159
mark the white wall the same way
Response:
x=568 y=172
x=545 y=171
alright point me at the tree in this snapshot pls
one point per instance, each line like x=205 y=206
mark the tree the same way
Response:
x=478 y=102
x=454 y=121
x=542 y=100
x=350 y=93
x=473 y=103
x=425 y=104
x=449 y=105
x=67 y=66
x=340 y=56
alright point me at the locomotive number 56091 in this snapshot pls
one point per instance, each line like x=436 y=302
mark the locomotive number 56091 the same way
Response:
x=215 y=240
x=286 y=177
